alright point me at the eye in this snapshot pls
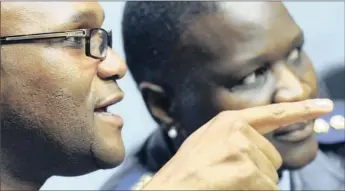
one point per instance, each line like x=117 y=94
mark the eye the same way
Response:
x=75 y=42
x=102 y=46
x=254 y=80
x=98 y=44
x=294 y=56
x=250 y=79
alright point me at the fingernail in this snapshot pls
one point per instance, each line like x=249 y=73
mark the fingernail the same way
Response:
x=321 y=103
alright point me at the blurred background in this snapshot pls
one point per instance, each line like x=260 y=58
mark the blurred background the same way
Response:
x=323 y=25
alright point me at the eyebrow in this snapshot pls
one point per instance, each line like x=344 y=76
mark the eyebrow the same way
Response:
x=86 y=17
x=260 y=60
x=296 y=42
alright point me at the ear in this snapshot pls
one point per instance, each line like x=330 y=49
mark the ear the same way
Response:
x=157 y=101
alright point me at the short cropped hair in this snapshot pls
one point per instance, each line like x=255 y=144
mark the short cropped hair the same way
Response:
x=151 y=36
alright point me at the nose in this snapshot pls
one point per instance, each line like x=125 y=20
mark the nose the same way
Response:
x=112 y=66
x=289 y=87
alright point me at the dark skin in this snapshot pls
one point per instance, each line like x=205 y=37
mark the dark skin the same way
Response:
x=49 y=92
x=253 y=56
x=49 y=95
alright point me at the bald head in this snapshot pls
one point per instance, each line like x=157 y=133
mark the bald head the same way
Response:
x=21 y=17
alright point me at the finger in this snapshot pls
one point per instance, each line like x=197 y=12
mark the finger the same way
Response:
x=251 y=178
x=263 y=163
x=263 y=183
x=270 y=117
x=265 y=148
x=246 y=140
x=241 y=173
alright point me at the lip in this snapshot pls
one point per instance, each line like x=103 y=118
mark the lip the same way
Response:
x=294 y=133
x=109 y=119
x=106 y=118
x=102 y=106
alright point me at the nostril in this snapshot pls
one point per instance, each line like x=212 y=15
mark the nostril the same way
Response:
x=112 y=78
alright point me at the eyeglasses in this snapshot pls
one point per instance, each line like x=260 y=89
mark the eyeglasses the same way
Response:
x=97 y=40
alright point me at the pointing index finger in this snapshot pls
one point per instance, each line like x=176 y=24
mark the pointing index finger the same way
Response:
x=270 y=117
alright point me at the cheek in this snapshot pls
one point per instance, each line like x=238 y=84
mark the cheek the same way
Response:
x=62 y=72
x=71 y=72
x=48 y=88
x=48 y=74
x=226 y=100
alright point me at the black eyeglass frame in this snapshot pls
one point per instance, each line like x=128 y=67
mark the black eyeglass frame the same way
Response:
x=84 y=33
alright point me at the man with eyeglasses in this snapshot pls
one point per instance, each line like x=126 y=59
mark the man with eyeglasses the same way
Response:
x=58 y=76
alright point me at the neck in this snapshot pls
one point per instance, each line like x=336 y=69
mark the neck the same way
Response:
x=9 y=182
x=156 y=151
x=11 y=179
x=21 y=167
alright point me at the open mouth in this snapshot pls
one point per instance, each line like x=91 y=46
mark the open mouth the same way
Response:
x=101 y=109
x=106 y=118
x=102 y=106
x=294 y=133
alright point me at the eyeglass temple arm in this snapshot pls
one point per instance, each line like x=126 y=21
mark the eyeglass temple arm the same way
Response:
x=80 y=33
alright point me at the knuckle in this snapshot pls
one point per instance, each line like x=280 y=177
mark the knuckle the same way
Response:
x=236 y=134
x=239 y=125
x=307 y=109
x=278 y=111
x=231 y=119
x=250 y=173
x=245 y=147
x=225 y=115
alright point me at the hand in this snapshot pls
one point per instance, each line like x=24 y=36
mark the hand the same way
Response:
x=229 y=152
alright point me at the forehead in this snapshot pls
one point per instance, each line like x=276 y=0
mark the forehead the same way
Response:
x=258 y=13
x=39 y=17
x=244 y=30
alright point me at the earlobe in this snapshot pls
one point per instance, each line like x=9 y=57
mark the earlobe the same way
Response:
x=159 y=105
x=157 y=102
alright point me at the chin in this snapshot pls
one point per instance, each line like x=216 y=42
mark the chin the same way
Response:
x=107 y=161
x=108 y=164
x=107 y=149
x=300 y=157
x=108 y=153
